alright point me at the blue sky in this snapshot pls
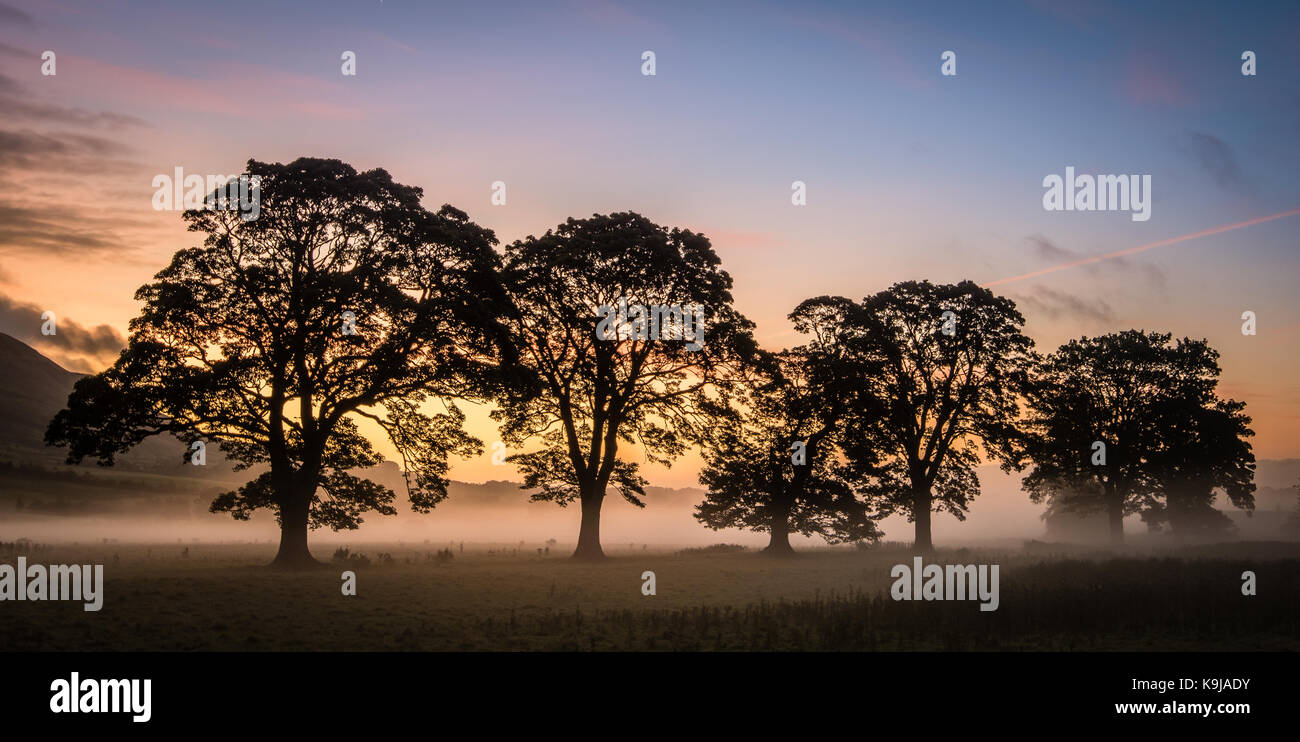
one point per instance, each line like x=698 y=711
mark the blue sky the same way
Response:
x=910 y=174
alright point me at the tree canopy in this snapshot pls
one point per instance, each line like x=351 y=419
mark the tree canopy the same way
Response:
x=344 y=299
x=630 y=330
x=1130 y=422
x=944 y=366
x=775 y=463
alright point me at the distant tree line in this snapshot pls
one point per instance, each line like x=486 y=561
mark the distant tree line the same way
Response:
x=345 y=299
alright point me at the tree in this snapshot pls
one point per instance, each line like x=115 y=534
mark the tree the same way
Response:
x=1130 y=422
x=776 y=465
x=1205 y=451
x=630 y=330
x=944 y=367
x=1291 y=526
x=343 y=299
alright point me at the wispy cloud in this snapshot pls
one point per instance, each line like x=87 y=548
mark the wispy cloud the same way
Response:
x=1049 y=250
x=1213 y=155
x=229 y=88
x=17 y=105
x=1054 y=253
x=53 y=228
x=86 y=154
x=612 y=13
x=16 y=52
x=1120 y=254
x=14 y=16
x=1057 y=304
x=86 y=348
x=54 y=156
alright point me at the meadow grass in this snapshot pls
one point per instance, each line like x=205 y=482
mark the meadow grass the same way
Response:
x=223 y=597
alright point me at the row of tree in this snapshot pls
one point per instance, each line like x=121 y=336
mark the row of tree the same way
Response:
x=346 y=300
x=882 y=411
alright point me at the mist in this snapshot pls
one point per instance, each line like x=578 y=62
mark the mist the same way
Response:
x=500 y=513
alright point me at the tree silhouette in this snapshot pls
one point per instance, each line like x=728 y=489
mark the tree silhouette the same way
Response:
x=638 y=383
x=776 y=465
x=1291 y=526
x=1150 y=406
x=1205 y=451
x=344 y=299
x=939 y=387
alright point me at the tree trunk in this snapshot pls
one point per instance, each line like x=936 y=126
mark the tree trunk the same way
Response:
x=1115 y=511
x=293 y=533
x=589 y=532
x=921 y=504
x=779 y=545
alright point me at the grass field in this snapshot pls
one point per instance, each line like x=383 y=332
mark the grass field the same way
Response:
x=222 y=597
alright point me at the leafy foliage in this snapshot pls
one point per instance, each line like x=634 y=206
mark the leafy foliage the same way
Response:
x=597 y=394
x=938 y=391
x=344 y=299
x=776 y=464
x=1170 y=441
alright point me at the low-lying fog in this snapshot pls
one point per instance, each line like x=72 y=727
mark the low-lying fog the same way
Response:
x=499 y=513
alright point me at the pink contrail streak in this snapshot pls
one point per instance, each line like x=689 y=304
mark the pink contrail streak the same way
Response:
x=1148 y=246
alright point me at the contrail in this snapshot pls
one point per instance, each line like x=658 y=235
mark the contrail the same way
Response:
x=1148 y=246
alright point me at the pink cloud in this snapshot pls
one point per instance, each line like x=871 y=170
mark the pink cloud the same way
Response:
x=613 y=14
x=328 y=111
x=389 y=40
x=1148 y=80
x=236 y=87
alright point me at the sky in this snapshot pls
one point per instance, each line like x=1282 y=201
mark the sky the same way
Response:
x=909 y=174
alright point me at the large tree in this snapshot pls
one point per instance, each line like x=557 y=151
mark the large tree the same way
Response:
x=1205 y=453
x=1130 y=422
x=604 y=305
x=945 y=367
x=1291 y=527
x=343 y=299
x=775 y=464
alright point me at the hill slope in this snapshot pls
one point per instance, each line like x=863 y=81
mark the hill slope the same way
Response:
x=36 y=388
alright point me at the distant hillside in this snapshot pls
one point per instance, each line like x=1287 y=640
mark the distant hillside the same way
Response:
x=36 y=388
